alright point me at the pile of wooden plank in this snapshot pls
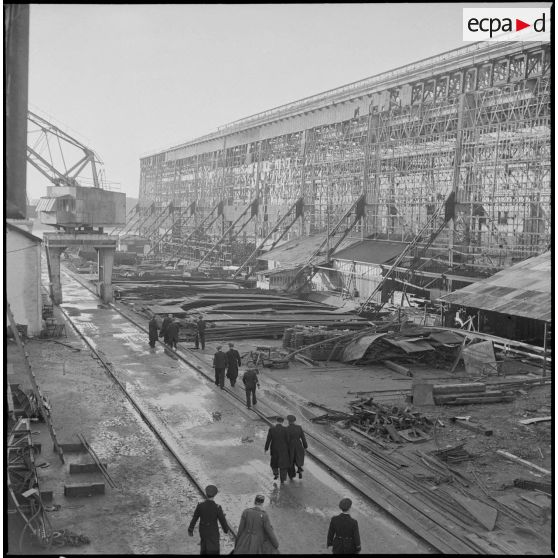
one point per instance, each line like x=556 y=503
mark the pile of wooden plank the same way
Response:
x=468 y=393
x=247 y=314
x=454 y=454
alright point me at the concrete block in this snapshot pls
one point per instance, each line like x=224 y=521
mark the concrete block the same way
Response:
x=76 y=490
x=77 y=468
x=71 y=448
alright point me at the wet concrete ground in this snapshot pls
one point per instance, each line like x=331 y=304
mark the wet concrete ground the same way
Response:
x=221 y=443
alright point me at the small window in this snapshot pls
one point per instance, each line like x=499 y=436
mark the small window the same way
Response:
x=534 y=64
x=517 y=68
x=501 y=71
x=471 y=79
x=485 y=77
x=416 y=96
x=455 y=83
x=429 y=91
x=441 y=88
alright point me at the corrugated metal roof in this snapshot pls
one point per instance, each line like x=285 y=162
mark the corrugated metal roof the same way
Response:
x=371 y=251
x=297 y=251
x=522 y=290
x=46 y=204
x=22 y=231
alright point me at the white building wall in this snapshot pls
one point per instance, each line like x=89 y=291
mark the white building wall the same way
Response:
x=367 y=277
x=23 y=280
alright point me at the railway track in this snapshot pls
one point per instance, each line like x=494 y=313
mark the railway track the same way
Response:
x=383 y=485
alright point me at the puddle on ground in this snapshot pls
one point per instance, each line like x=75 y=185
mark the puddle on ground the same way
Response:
x=72 y=310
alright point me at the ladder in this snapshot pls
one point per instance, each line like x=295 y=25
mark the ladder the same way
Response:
x=38 y=395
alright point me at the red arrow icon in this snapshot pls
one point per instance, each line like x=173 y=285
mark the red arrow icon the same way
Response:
x=519 y=25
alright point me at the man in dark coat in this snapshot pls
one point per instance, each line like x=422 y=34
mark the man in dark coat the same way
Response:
x=278 y=443
x=250 y=381
x=153 y=331
x=164 y=327
x=343 y=534
x=200 y=337
x=297 y=445
x=209 y=513
x=255 y=533
x=233 y=362
x=172 y=334
x=220 y=363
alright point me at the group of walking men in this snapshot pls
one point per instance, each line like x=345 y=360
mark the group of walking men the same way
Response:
x=230 y=361
x=169 y=331
x=286 y=446
x=255 y=532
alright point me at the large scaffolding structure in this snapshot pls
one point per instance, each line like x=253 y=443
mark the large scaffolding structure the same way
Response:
x=474 y=121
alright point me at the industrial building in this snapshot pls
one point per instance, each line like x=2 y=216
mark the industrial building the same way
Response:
x=451 y=153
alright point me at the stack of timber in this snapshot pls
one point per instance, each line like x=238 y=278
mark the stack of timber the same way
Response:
x=468 y=393
x=247 y=315
x=324 y=344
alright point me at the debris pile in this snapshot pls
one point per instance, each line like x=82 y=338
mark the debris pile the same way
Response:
x=389 y=422
x=437 y=348
x=324 y=344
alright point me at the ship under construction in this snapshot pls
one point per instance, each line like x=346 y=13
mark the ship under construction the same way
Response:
x=449 y=156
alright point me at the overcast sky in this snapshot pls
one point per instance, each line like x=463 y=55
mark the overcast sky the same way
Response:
x=132 y=79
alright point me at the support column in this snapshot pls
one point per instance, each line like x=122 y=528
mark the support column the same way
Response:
x=53 y=262
x=106 y=260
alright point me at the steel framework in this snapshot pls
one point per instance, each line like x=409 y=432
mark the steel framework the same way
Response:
x=60 y=157
x=474 y=121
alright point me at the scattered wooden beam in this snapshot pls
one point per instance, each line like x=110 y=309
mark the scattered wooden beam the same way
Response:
x=516 y=459
x=533 y=485
x=535 y=419
x=474 y=427
x=444 y=389
x=363 y=433
x=397 y=368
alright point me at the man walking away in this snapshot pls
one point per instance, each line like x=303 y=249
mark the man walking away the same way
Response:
x=172 y=334
x=278 y=443
x=255 y=533
x=250 y=381
x=200 y=337
x=297 y=445
x=164 y=328
x=343 y=533
x=219 y=363
x=209 y=513
x=233 y=362
x=153 y=331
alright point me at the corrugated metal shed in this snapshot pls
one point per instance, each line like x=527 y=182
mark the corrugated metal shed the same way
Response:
x=371 y=251
x=297 y=251
x=522 y=290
